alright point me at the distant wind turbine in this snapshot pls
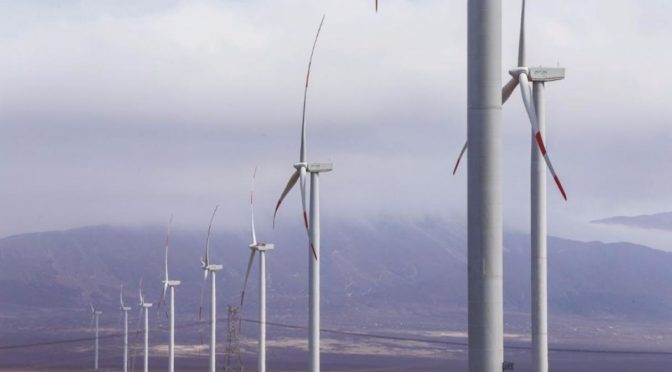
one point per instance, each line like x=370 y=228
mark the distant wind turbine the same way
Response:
x=170 y=284
x=212 y=269
x=95 y=317
x=314 y=228
x=261 y=248
x=145 y=309
x=124 y=309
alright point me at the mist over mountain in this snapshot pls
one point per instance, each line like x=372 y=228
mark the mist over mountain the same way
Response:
x=658 y=221
x=386 y=271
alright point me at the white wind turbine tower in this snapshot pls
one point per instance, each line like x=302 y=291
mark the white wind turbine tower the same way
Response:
x=534 y=104
x=170 y=284
x=95 y=316
x=145 y=309
x=212 y=269
x=261 y=248
x=313 y=228
x=125 y=309
x=484 y=200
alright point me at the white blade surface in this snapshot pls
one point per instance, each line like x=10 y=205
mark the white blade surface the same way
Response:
x=290 y=185
x=121 y=296
x=521 y=40
x=140 y=295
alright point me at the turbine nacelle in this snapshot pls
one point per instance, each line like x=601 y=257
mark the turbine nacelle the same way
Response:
x=320 y=167
x=213 y=267
x=546 y=73
x=125 y=308
x=542 y=74
x=262 y=247
x=171 y=283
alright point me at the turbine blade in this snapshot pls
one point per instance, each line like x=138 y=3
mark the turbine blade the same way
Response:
x=163 y=294
x=254 y=233
x=531 y=112
x=457 y=163
x=140 y=296
x=200 y=306
x=165 y=268
x=290 y=184
x=521 y=40
x=302 y=183
x=302 y=155
x=508 y=89
x=93 y=315
x=376 y=6
x=247 y=276
x=206 y=259
x=121 y=296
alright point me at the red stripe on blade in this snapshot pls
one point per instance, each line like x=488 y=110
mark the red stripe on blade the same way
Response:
x=457 y=164
x=540 y=142
x=312 y=248
x=305 y=219
x=562 y=189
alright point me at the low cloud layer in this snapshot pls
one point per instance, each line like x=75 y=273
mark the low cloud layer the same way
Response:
x=123 y=112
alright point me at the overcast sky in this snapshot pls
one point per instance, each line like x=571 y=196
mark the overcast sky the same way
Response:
x=122 y=112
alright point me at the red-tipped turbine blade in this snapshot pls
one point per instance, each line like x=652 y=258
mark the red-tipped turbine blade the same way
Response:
x=254 y=233
x=459 y=158
x=302 y=154
x=532 y=114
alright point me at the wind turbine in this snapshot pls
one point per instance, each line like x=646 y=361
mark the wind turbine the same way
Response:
x=95 y=316
x=533 y=100
x=314 y=228
x=261 y=248
x=145 y=309
x=534 y=104
x=170 y=284
x=210 y=268
x=526 y=74
x=125 y=309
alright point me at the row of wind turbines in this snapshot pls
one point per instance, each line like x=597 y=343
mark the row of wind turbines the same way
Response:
x=311 y=219
x=484 y=204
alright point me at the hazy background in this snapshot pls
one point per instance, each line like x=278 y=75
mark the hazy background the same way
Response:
x=122 y=112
